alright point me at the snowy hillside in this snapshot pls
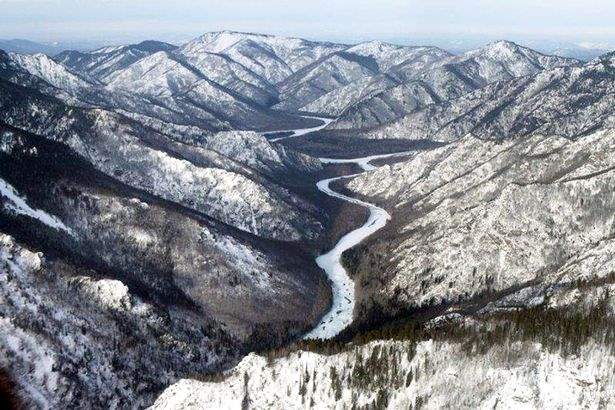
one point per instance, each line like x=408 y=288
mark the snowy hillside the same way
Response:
x=527 y=216
x=567 y=101
x=407 y=87
x=393 y=375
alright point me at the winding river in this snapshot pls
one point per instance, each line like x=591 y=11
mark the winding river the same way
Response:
x=302 y=131
x=340 y=314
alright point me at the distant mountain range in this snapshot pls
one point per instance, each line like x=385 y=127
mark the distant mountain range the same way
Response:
x=29 y=47
x=49 y=48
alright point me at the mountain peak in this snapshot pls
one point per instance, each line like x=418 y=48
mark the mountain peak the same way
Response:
x=504 y=44
x=502 y=48
x=224 y=34
x=373 y=46
x=376 y=43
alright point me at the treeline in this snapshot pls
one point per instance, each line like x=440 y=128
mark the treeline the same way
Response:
x=558 y=330
x=380 y=370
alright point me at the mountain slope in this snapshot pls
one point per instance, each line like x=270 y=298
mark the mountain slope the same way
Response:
x=104 y=61
x=174 y=83
x=413 y=59
x=159 y=166
x=319 y=78
x=325 y=77
x=141 y=289
x=525 y=216
x=567 y=101
x=445 y=80
x=55 y=74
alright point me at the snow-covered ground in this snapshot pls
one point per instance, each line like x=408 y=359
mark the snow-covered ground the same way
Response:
x=17 y=204
x=433 y=375
x=340 y=315
x=302 y=131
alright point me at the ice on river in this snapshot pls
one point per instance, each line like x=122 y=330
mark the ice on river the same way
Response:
x=340 y=315
x=364 y=162
x=303 y=131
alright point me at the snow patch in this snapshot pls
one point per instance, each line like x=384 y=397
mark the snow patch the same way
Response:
x=19 y=206
x=112 y=294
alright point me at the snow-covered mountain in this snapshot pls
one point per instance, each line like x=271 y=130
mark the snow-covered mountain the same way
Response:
x=332 y=72
x=344 y=68
x=271 y=57
x=413 y=60
x=174 y=83
x=156 y=225
x=566 y=101
x=164 y=88
x=221 y=81
x=127 y=289
x=104 y=61
x=503 y=60
x=146 y=244
x=406 y=88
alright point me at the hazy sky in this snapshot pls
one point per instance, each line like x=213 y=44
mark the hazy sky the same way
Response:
x=340 y=20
